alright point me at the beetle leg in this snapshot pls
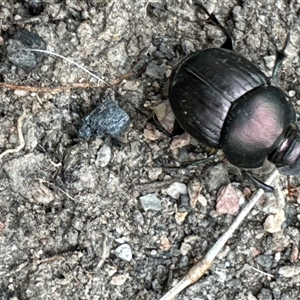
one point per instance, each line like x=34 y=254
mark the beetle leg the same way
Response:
x=280 y=56
x=212 y=19
x=177 y=129
x=228 y=44
x=258 y=183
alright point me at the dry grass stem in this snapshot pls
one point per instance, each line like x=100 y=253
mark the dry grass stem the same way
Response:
x=198 y=270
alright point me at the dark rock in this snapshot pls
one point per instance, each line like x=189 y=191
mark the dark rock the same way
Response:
x=27 y=60
x=108 y=118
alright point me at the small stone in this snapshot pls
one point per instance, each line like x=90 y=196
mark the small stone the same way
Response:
x=185 y=248
x=221 y=274
x=265 y=294
x=292 y=93
x=289 y=271
x=151 y=201
x=154 y=173
x=176 y=189
x=180 y=217
x=273 y=223
x=216 y=176
x=124 y=252
x=277 y=256
x=21 y=93
x=269 y=61
x=103 y=156
x=111 y=270
x=119 y=279
x=264 y=260
x=120 y=240
x=251 y=296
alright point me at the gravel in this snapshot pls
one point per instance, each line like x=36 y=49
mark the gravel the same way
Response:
x=67 y=205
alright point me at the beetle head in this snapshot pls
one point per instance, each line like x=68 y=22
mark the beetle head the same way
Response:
x=287 y=155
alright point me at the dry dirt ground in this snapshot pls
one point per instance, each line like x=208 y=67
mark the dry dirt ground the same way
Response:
x=67 y=205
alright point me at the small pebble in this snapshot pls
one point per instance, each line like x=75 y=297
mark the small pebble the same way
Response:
x=277 y=256
x=264 y=260
x=221 y=274
x=150 y=201
x=103 y=156
x=291 y=93
x=154 y=173
x=265 y=294
x=176 y=189
x=124 y=252
x=216 y=176
x=120 y=240
x=228 y=200
x=119 y=279
x=185 y=248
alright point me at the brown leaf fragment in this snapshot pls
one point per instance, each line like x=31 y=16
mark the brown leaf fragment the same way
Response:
x=227 y=200
x=152 y=134
x=194 y=190
x=180 y=141
x=165 y=115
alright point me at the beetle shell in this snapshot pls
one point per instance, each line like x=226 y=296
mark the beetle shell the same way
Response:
x=224 y=101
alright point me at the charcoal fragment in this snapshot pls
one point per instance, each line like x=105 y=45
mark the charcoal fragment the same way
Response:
x=108 y=118
x=25 y=59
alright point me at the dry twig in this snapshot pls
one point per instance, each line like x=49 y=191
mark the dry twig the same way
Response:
x=198 y=270
x=47 y=89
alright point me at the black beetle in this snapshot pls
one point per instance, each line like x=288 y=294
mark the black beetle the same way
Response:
x=224 y=101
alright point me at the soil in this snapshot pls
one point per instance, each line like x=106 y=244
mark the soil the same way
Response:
x=68 y=204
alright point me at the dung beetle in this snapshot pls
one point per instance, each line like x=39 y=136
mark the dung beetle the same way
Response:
x=224 y=101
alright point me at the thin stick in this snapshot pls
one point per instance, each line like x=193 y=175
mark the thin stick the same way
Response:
x=21 y=137
x=47 y=89
x=198 y=270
